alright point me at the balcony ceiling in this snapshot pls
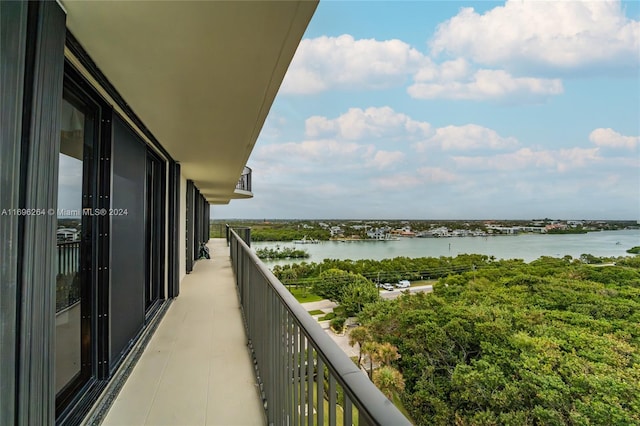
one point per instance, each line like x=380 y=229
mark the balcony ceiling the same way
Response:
x=201 y=75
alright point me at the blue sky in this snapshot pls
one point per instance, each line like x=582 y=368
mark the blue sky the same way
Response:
x=455 y=110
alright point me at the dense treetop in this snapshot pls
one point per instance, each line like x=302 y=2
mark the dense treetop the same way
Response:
x=555 y=341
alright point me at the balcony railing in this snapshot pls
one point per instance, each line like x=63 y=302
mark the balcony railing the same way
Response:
x=305 y=378
x=68 y=274
x=244 y=183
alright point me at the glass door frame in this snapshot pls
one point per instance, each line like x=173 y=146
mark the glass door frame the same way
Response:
x=155 y=221
x=94 y=245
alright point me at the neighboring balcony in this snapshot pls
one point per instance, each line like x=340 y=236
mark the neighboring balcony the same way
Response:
x=243 y=187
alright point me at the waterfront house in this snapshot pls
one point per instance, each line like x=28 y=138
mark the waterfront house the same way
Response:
x=336 y=231
x=379 y=233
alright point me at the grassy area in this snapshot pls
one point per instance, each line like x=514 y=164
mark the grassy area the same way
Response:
x=316 y=312
x=304 y=296
x=339 y=411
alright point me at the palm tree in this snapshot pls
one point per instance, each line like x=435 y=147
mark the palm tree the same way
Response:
x=358 y=335
x=388 y=380
x=386 y=352
x=371 y=349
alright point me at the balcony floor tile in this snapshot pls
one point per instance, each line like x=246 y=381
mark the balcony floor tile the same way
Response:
x=196 y=369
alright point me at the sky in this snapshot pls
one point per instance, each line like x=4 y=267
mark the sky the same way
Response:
x=455 y=110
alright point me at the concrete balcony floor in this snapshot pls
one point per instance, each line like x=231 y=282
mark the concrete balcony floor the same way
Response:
x=196 y=369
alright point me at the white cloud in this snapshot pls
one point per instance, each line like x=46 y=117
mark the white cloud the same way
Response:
x=485 y=85
x=560 y=35
x=609 y=138
x=313 y=151
x=358 y=124
x=386 y=159
x=422 y=176
x=467 y=137
x=327 y=189
x=342 y=62
x=307 y=156
x=397 y=181
x=437 y=175
x=525 y=158
x=326 y=63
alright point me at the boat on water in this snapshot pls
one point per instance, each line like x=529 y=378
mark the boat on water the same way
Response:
x=366 y=240
x=387 y=237
x=304 y=240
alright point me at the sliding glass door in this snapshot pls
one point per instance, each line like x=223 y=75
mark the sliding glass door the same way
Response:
x=74 y=308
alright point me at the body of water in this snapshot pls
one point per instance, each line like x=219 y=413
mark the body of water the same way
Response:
x=525 y=246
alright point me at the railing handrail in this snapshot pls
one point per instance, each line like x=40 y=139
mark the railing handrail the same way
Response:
x=67 y=242
x=371 y=403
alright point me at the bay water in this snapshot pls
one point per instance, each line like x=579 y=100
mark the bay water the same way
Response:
x=527 y=247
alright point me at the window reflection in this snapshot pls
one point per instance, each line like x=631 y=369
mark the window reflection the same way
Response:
x=69 y=233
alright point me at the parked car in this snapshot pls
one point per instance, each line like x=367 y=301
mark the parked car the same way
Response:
x=403 y=284
x=387 y=286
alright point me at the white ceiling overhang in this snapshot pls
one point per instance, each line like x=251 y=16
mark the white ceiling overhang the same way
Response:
x=201 y=75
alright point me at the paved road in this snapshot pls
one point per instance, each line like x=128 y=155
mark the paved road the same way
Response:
x=323 y=305
x=343 y=341
x=386 y=294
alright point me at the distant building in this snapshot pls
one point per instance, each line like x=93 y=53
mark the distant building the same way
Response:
x=67 y=234
x=336 y=231
x=379 y=233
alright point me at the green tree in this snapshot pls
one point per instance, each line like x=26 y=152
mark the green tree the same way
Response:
x=388 y=380
x=331 y=282
x=370 y=348
x=550 y=342
x=357 y=294
x=358 y=335
x=386 y=352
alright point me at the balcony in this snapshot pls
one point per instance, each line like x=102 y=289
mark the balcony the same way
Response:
x=243 y=187
x=201 y=365
x=196 y=369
